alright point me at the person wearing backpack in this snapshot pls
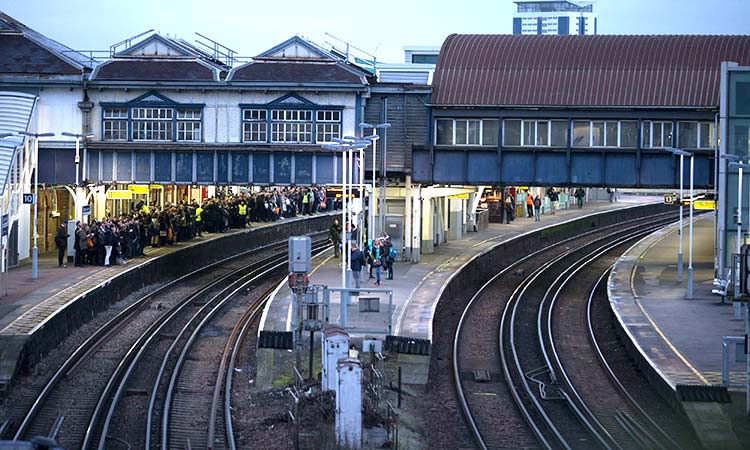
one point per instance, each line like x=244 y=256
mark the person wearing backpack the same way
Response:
x=537 y=208
x=390 y=259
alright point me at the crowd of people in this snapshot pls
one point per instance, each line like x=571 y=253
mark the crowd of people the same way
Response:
x=379 y=254
x=114 y=240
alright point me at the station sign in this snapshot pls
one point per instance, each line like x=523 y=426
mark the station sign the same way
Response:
x=28 y=198
x=670 y=199
x=5 y=224
x=86 y=210
x=463 y=196
x=704 y=204
x=118 y=194
x=138 y=188
x=336 y=193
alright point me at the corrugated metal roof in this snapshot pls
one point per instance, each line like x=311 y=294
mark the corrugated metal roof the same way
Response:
x=15 y=113
x=602 y=70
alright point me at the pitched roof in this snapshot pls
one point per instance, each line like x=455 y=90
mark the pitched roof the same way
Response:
x=154 y=70
x=295 y=72
x=577 y=71
x=25 y=51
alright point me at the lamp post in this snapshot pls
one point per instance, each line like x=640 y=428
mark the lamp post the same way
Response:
x=78 y=137
x=374 y=137
x=35 y=249
x=682 y=153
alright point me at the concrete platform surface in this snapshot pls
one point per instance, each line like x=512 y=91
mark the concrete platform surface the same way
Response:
x=416 y=287
x=679 y=338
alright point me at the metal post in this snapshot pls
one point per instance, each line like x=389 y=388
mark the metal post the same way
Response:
x=310 y=361
x=360 y=172
x=690 y=245
x=747 y=360
x=35 y=250
x=371 y=231
x=344 y=255
x=679 y=250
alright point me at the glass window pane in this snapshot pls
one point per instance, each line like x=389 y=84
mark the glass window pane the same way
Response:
x=93 y=166
x=512 y=132
x=261 y=168
x=184 y=167
x=656 y=131
x=143 y=167
x=707 y=135
x=108 y=159
x=628 y=134
x=240 y=172
x=444 y=132
x=222 y=167
x=282 y=168
x=668 y=134
x=461 y=132
x=688 y=135
x=124 y=166
x=597 y=134
x=542 y=133
x=324 y=168
x=205 y=167
x=303 y=168
x=473 y=126
x=646 y=126
x=490 y=131
x=163 y=167
x=559 y=133
x=529 y=132
x=611 y=136
x=581 y=133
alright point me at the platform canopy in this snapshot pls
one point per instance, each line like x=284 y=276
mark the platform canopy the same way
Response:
x=15 y=113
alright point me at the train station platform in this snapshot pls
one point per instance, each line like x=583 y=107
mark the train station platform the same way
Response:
x=37 y=313
x=678 y=341
x=417 y=287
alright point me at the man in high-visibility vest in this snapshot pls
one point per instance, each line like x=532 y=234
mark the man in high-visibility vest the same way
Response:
x=242 y=213
x=199 y=220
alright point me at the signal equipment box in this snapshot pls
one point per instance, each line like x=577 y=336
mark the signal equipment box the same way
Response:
x=300 y=256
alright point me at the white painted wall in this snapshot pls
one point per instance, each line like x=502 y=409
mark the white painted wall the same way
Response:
x=349 y=403
x=222 y=121
x=57 y=111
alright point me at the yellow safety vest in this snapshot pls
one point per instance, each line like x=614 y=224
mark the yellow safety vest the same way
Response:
x=198 y=212
x=145 y=208
x=243 y=210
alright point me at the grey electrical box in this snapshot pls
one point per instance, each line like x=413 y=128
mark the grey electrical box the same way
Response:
x=300 y=256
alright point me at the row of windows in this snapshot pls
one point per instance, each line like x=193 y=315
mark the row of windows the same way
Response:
x=151 y=124
x=585 y=133
x=290 y=126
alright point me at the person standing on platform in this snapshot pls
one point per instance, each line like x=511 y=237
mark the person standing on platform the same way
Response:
x=242 y=214
x=553 y=199
x=377 y=261
x=529 y=205
x=537 y=208
x=61 y=242
x=390 y=259
x=579 y=194
x=611 y=195
x=358 y=260
x=334 y=234
x=508 y=210
x=82 y=245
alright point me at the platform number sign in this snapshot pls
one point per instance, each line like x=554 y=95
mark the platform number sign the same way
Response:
x=28 y=199
x=669 y=199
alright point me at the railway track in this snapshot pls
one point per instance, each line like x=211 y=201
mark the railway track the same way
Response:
x=116 y=365
x=514 y=387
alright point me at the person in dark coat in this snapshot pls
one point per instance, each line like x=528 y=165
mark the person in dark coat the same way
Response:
x=334 y=234
x=357 y=261
x=61 y=242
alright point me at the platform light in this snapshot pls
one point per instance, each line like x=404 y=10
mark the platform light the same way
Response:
x=35 y=250
x=682 y=154
x=374 y=138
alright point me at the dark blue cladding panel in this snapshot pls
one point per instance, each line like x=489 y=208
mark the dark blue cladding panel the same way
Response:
x=205 y=167
x=124 y=167
x=222 y=167
x=324 y=169
x=93 y=166
x=143 y=167
x=163 y=167
x=421 y=167
x=551 y=168
x=108 y=159
x=518 y=167
x=586 y=168
x=303 y=168
x=183 y=167
x=482 y=167
x=449 y=167
x=703 y=172
x=282 y=168
x=620 y=170
x=658 y=169
x=240 y=167
x=261 y=168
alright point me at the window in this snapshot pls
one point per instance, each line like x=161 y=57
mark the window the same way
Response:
x=291 y=125
x=657 y=134
x=535 y=133
x=466 y=131
x=424 y=59
x=328 y=125
x=189 y=125
x=599 y=133
x=115 y=124
x=581 y=133
x=254 y=125
x=152 y=124
x=696 y=135
x=629 y=134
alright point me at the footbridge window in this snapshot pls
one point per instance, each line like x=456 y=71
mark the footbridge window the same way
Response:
x=605 y=133
x=698 y=135
x=657 y=134
x=535 y=133
x=479 y=132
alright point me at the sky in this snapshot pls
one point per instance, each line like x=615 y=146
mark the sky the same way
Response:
x=381 y=27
